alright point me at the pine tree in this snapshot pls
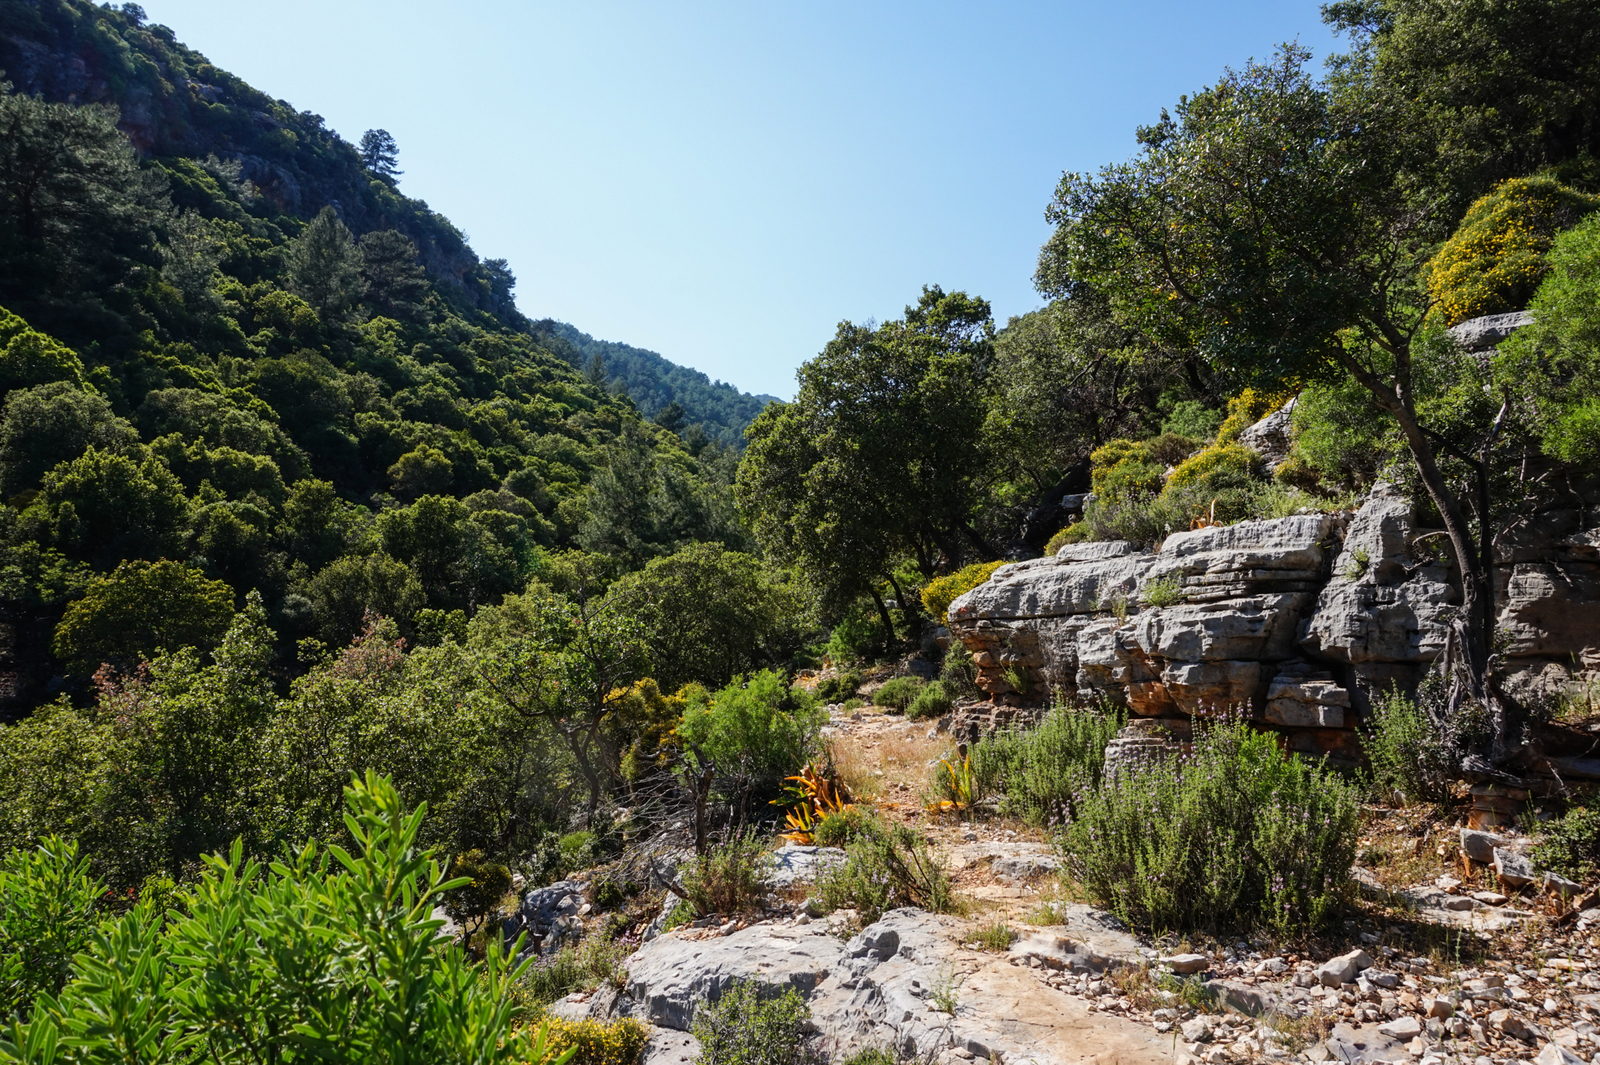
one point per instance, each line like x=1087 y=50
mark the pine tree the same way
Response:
x=396 y=282
x=325 y=265
x=379 y=153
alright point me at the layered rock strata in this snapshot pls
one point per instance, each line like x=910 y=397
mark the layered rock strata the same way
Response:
x=1297 y=623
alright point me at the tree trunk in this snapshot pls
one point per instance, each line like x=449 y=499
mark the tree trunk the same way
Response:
x=883 y=613
x=1470 y=638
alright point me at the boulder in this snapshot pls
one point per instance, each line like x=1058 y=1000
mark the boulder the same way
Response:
x=1227 y=561
x=1512 y=869
x=670 y=976
x=1255 y=627
x=1297 y=700
x=1098 y=551
x=1048 y=587
x=1269 y=437
x=1556 y=1054
x=1480 y=334
x=795 y=863
x=1479 y=845
x=1184 y=964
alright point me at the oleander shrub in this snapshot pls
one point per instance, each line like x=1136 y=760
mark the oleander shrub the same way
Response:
x=1234 y=835
x=1496 y=258
x=898 y=693
x=939 y=593
x=886 y=866
x=1043 y=772
x=753 y=1024
x=331 y=953
x=593 y=1042
x=729 y=878
x=50 y=908
x=932 y=701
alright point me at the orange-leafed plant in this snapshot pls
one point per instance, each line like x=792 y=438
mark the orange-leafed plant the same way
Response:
x=960 y=784
x=812 y=793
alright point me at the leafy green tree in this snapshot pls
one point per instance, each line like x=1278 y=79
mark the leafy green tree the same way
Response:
x=708 y=614
x=140 y=609
x=105 y=506
x=190 y=257
x=317 y=525
x=570 y=664
x=876 y=456
x=397 y=285
x=1268 y=200
x=1494 y=90
x=325 y=265
x=380 y=154
x=29 y=357
x=1553 y=365
x=350 y=588
x=47 y=425
x=422 y=472
x=755 y=731
x=75 y=211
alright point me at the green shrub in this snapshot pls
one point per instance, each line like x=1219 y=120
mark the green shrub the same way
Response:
x=342 y=944
x=1124 y=468
x=838 y=687
x=1163 y=591
x=1339 y=435
x=1496 y=257
x=756 y=733
x=939 y=593
x=472 y=903
x=898 y=693
x=885 y=867
x=957 y=673
x=1233 y=835
x=853 y=703
x=995 y=937
x=594 y=1042
x=753 y=1024
x=838 y=827
x=1193 y=419
x=1169 y=449
x=590 y=964
x=49 y=911
x=1570 y=844
x=932 y=701
x=729 y=878
x=858 y=636
x=1408 y=754
x=872 y=1056
x=1043 y=771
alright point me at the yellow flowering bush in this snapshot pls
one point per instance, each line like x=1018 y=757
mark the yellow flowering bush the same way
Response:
x=1244 y=410
x=1496 y=258
x=597 y=1042
x=1124 y=467
x=940 y=592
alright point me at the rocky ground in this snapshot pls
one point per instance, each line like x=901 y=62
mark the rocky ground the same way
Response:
x=1455 y=951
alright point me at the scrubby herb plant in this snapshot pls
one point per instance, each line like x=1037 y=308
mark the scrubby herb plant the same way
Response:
x=1234 y=835
x=898 y=693
x=1043 y=772
x=753 y=1024
x=1409 y=754
x=932 y=701
x=886 y=866
x=730 y=878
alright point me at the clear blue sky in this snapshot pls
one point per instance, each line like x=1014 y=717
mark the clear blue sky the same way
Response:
x=724 y=182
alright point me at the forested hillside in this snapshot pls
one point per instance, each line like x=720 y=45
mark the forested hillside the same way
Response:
x=231 y=343
x=655 y=385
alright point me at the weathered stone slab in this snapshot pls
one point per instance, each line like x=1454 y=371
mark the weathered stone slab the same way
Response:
x=1044 y=588
x=1259 y=627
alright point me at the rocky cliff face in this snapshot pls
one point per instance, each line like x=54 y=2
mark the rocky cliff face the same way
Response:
x=1299 y=622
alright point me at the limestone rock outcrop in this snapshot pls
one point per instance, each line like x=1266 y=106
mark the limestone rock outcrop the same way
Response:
x=1297 y=622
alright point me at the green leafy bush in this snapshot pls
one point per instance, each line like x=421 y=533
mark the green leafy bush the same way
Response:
x=1124 y=468
x=584 y=967
x=756 y=732
x=1409 y=755
x=835 y=828
x=1193 y=419
x=939 y=593
x=838 y=687
x=50 y=909
x=885 y=867
x=1163 y=591
x=729 y=878
x=487 y=882
x=1234 y=835
x=957 y=672
x=1571 y=844
x=332 y=954
x=1044 y=771
x=898 y=693
x=753 y=1024
x=932 y=701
